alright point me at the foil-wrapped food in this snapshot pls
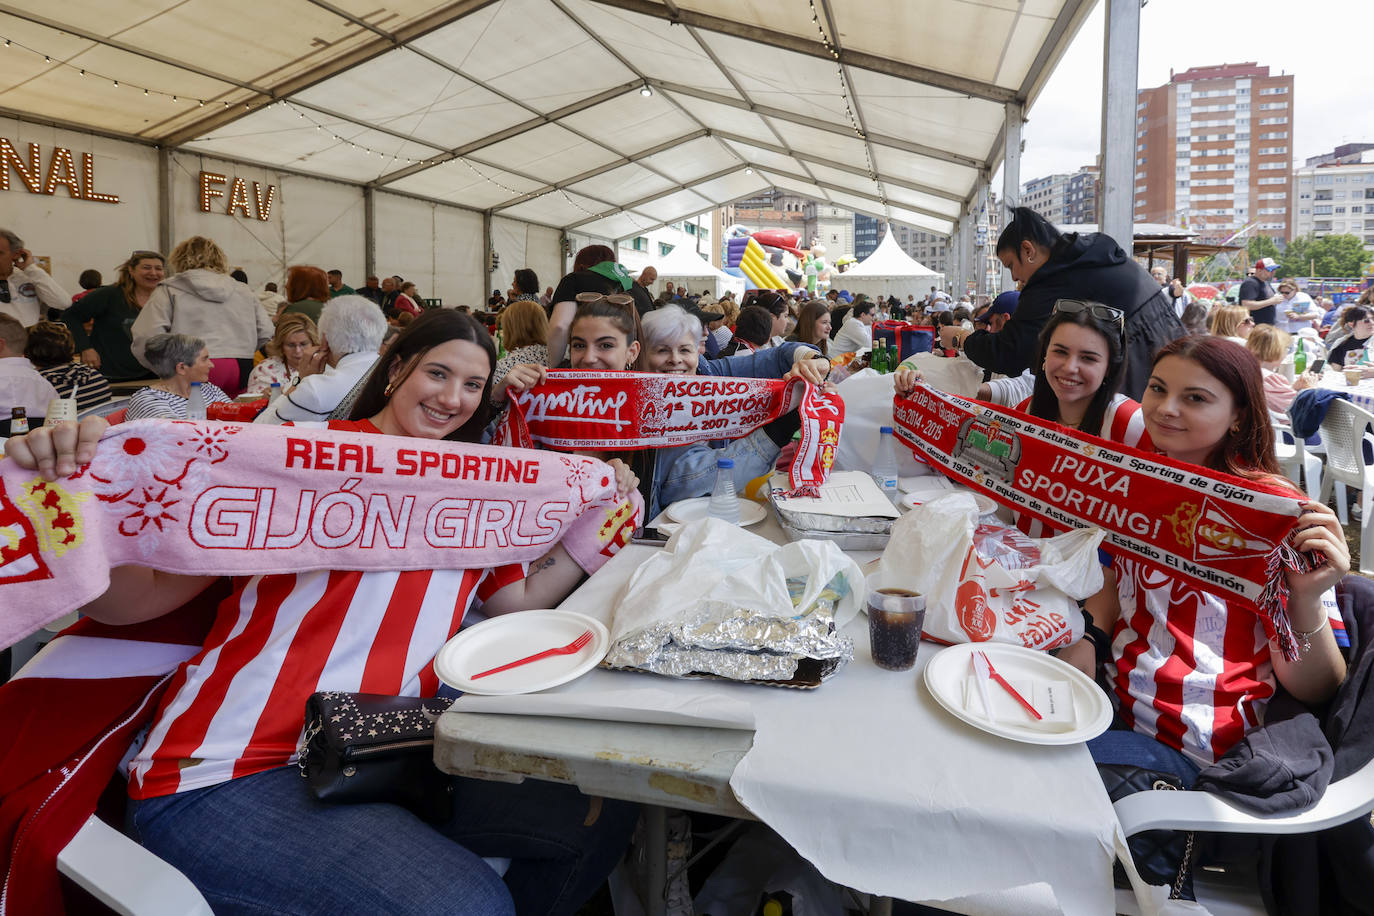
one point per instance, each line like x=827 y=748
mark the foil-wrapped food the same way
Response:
x=722 y=639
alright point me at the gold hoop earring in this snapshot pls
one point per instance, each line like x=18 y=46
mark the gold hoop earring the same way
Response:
x=386 y=392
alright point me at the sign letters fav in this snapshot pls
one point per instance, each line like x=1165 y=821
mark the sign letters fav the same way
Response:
x=212 y=186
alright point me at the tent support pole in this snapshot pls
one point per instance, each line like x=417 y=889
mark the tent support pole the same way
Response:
x=980 y=221
x=164 y=200
x=370 y=231
x=486 y=254
x=1011 y=172
x=1120 y=61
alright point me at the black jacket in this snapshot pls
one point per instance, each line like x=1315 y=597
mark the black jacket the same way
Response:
x=1084 y=266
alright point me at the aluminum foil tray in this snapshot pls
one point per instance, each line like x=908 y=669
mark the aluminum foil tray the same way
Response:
x=846 y=539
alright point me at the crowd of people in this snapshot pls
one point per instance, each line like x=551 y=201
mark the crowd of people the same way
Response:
x=1090 y=341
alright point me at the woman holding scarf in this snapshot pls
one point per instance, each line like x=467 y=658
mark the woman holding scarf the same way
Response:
x=607 y=336
x=213 y=788
x=1191 y=671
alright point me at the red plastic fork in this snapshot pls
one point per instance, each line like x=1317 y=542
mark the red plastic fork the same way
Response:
x=577 y=645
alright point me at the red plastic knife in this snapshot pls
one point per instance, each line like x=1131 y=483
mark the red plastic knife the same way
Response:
x=992 y=673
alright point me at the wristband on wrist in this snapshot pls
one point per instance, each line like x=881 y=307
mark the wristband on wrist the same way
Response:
x=1102 y=643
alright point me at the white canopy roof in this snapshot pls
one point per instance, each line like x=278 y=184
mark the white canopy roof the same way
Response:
x=535 y=109
x=683 y=264
x=889 y=260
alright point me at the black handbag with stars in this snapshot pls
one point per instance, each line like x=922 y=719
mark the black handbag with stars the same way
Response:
x=366 y=747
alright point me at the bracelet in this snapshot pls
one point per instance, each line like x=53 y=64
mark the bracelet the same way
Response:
x=1304 y=640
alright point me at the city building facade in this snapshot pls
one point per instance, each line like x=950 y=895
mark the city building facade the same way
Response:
x=1214 y=151
x=1065 y=198
x=1335 y=194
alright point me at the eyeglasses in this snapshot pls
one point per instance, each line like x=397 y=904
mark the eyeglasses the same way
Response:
x=1095 y=309
x=1245 y=321
x=619 y=299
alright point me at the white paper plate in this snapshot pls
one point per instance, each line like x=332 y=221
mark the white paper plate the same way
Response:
x=947 y=671
x=692 y=510
x=986 y=504
x=503 y=639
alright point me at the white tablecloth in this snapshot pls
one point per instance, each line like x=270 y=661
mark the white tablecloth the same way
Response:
x=873 y=782
x=1361 y=395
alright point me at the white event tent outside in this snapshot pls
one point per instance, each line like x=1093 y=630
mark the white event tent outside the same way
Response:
x=419 y=137
x=888 y=270
x=683 y=266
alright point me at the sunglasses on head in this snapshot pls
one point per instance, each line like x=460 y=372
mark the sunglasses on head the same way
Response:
x=1095 y=309
x=620 y=299
x=141 y=255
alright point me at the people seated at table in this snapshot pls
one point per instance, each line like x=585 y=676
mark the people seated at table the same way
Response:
x=1270 y=346
x=1230 y=322
x=201 y=300
x=214 y=789
x=351 y=330
x=112 y=311
x=179 y=361
x=52 y=351
x=1190 y=684
x=1360 y=321
x=524 y=329
x=753 y=331
x=296 y=338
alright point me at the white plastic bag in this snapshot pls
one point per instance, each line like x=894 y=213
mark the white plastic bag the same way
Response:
x=867 y=408
x=716 y=600
x=993 y=583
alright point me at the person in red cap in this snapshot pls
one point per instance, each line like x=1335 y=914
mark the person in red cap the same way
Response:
x=1257 y=295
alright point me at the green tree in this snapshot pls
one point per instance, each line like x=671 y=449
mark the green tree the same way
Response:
x=1329 y=256
x=1261 y=246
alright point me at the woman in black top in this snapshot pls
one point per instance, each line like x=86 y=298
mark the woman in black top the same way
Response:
x=594 y=271
x=112 y=310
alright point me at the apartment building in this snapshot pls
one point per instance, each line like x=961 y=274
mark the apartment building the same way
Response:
x=1335 y=194
x=1214 y=151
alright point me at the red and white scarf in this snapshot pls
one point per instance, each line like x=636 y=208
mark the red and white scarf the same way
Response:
x=631 y=410
x=1224 y=534
x=227 y=499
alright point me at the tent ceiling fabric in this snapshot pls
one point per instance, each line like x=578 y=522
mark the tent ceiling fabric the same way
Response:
x=533 y=109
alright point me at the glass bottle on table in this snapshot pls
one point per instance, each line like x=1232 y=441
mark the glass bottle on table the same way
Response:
x=1299 y=359
x=724 y=505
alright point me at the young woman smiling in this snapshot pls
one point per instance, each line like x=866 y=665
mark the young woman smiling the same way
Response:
x=213 y=788
x=1191 y=671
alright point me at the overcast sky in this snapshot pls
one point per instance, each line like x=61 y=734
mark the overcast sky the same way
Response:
x=1319 y=41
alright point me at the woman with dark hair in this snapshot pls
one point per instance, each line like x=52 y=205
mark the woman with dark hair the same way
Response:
x=1050 y=267
x=219 y=757
x=813 y=326
x=1361 y=323
x=51 y=350
x=524 y=286
x=112 y=311
x=776 y=304
x=594 y=271
x=307 y=290
x=1191 y=671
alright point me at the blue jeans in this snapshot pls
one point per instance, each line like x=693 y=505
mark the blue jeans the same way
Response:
x=1131 y=747
x=263 y=844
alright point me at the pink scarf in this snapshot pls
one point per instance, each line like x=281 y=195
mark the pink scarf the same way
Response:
x=1223 y=534
x=209 y=498
x=630 y=410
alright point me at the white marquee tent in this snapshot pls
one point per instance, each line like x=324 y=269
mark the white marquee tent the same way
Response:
x=684 y=266
x=417 y=137
x=888 y=271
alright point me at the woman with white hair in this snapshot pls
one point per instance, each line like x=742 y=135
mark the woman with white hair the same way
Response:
x=179 y=360
x=351 y=331
x=672 y=340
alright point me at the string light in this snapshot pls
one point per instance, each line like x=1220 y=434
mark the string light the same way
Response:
x=848 y=107
x=305 y=115
x=147 y=90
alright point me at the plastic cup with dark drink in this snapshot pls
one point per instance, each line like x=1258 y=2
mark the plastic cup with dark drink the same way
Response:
x=896 y=613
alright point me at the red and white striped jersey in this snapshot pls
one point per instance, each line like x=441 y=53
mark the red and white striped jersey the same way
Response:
x=1190 y=670
x=237 y=707
x=1122 y=422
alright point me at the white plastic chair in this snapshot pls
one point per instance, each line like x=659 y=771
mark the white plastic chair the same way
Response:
x=1299 y=465
x=1343 y=432
x=126 y=877
x=1344 y=801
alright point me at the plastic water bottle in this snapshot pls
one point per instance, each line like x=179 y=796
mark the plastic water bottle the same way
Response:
x=274 y=392
x=885 y=464
x=723 y=504
x=195 y=403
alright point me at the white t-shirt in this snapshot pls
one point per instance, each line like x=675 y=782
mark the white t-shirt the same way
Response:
x=854 y=336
